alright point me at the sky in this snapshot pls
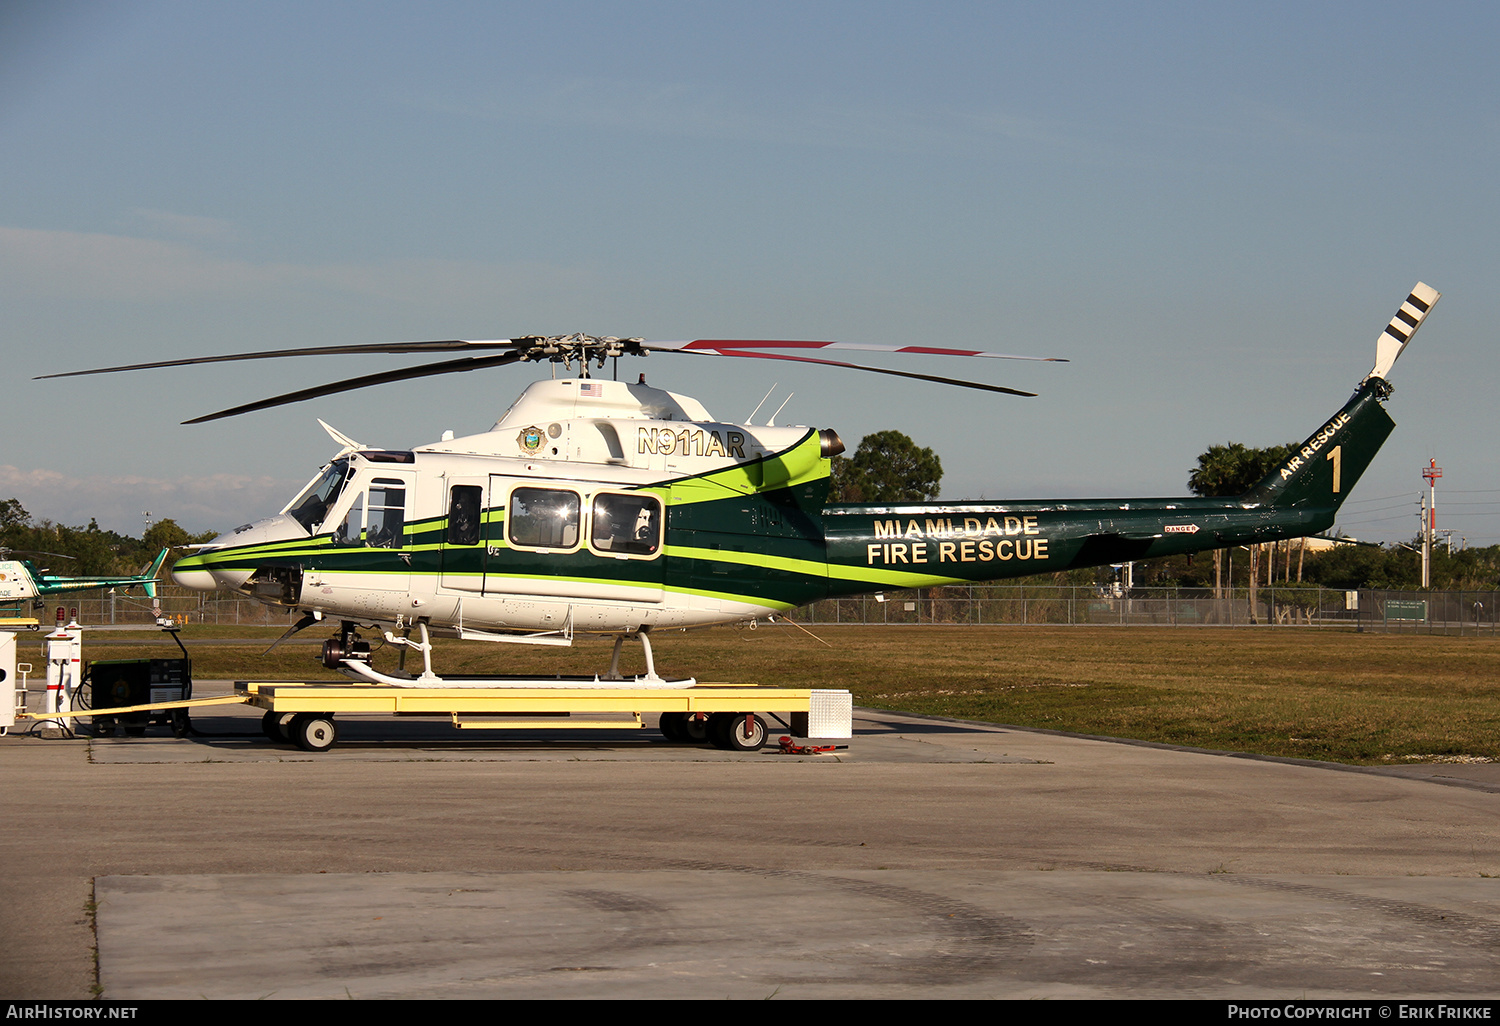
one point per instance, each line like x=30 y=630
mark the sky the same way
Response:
x=1211 y=210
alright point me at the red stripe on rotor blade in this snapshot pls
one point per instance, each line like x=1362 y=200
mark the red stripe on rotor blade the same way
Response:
x=723 y=344
x=765 y=344
x=752 y=343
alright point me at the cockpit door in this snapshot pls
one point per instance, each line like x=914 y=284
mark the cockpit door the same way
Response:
x=464 y=541
x=372 y=534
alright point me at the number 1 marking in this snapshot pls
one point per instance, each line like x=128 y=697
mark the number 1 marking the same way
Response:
x=1337 y=455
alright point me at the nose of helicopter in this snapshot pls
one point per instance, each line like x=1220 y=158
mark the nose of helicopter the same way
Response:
x=190 y=573
x=217 y=566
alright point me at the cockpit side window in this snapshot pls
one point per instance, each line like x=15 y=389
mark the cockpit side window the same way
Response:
x=387 y=514
x=351 y=531
x=376 y=518
x=311 y=507
x=626 y=524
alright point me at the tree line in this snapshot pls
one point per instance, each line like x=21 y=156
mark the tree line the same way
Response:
x=86 y=551
x=888 y=466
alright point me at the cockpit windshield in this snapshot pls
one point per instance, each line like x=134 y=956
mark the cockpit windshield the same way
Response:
x=311 y=507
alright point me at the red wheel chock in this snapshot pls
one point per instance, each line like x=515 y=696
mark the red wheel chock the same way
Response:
x=788 y=748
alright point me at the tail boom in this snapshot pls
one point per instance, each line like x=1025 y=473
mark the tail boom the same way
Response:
x=912 y=545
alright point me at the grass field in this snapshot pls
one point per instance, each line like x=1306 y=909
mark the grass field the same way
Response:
x=1317 y=694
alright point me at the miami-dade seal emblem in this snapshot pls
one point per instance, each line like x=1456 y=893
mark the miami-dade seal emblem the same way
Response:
x=531 y=439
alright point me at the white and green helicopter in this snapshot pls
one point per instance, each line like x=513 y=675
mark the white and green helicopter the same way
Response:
x=609 y=508
x=22 y=580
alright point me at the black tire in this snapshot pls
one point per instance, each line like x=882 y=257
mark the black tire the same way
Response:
x=314 y=732
x=274 y=725
x=743 y=732
x=718 y=729
x=672 y=726
x=694 y=729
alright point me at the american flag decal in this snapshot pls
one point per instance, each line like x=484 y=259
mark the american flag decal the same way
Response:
x=591 y=389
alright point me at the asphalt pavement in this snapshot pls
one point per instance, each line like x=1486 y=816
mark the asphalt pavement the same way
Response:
x=929 y=858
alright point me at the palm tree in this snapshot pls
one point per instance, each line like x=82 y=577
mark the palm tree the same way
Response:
x=1233 y=469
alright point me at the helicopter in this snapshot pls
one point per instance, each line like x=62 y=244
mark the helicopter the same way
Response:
x=601 y=507
x=21 y=579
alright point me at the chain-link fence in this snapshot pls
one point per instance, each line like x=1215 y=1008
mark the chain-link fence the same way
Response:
x=1459 y=612
x=181 y=604
x=1415 y=612
x=1429 y=612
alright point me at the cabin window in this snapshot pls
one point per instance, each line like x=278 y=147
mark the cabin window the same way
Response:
x=463 y=514
x=543 y=518
x=626 y=524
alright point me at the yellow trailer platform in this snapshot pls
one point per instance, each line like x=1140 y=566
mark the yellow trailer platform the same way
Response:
x=729 y=715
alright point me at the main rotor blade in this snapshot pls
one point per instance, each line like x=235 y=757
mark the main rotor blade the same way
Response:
x=271 y=354
x=857 y=366
x=467 y=363
x=5 y=552
x=718 y=345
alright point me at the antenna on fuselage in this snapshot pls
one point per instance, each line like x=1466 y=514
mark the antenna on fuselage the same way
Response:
x=751 y=419
x=772 y=421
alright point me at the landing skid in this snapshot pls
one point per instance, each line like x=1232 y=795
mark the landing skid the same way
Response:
x=361 y=669
x=364 y=671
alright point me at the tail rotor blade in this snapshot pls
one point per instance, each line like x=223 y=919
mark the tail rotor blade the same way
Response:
x=1409 y=317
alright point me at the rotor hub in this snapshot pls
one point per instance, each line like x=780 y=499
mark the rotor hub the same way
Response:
x=577 y=348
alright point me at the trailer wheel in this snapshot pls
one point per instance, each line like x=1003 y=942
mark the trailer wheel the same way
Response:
x=274 y=725
x=695 y=728
x=743 y=732
x=673 y=726
x=314 y=732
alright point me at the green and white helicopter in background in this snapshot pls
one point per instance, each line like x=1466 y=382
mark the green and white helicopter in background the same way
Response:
x=21 y=579
x=609 y=508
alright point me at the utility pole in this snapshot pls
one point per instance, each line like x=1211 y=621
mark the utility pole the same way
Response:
x=1422 y=534
x=1429 y=522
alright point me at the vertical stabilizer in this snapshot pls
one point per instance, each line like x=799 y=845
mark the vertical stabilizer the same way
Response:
x=1322 y=470
x=150 y=572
